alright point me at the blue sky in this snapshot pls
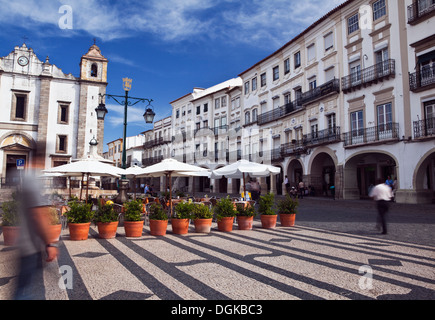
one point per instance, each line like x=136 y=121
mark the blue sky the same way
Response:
x=167 y=47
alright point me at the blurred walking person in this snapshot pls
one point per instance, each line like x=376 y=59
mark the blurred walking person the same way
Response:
x=301 y=187
x=382 y=194
x=35 y=243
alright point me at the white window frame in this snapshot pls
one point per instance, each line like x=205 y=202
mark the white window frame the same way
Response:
x=329 y=41
x=353 y=23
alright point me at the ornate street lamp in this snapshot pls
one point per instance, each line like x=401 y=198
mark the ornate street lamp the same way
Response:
x=149 y=115
x=101 y=111
x=126 y=102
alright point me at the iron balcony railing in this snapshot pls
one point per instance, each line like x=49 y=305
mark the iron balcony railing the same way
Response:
x=278 y=113
x=421 y=80
x=330 y=135
x=276 y=154
x=156 y=142
x=220 y=130
x=209 y=130
x=152 y=160
x=424 y=128
x=367 y=76
x=320 y=91
x=419 y=10
x=293 y=148
x=388 y=131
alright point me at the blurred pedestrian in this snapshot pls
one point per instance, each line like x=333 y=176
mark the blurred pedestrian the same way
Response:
x=255 y=187
x=395 y=186
x=382 y=194
x=34 y=242
x=287 y=184
x=389 y=182
x=301 y=187
x=293 y=192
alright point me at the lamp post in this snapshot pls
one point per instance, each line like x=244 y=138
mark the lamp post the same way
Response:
x=126 y=102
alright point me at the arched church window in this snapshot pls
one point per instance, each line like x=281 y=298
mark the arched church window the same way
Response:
x=94 y=70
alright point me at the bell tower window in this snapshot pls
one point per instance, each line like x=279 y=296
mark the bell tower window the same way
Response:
x=94 y=70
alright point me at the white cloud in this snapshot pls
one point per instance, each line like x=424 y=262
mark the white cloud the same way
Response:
x=115 y=117
x=256 y=22
x=118 y=59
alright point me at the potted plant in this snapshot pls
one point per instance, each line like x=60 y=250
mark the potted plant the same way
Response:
x=287 y=209
x=10 y=222
x=79 y=217
x=202 y=218
x=267 y=213
x=55 y=226
x=106 y=219
x=225 y=213
x=181 y=217
x=158 y=220
x=133 y=222
x=245 y=216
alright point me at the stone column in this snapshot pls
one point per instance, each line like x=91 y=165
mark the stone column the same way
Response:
x=272 y=184
x=191 y=188
x=81 y=130
x=263 y=185
x=44 y=104
x=100 y=126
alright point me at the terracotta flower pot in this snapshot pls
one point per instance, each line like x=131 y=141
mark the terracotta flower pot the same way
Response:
x=107 y=230
x=245 y=223
x=79 y=231
x=10 y=235
x=180 y=226
x=225 y=224
x=268 y=221
x=202 y=225
x=54 y=232
x=158 y=227
x=133 y=229
x=287 y=220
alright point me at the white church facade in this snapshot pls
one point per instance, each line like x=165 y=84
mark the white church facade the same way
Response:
x=46 y=114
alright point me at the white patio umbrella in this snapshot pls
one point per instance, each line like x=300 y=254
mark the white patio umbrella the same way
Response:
x=240 y=168
x=171 y=168
x=88 y=167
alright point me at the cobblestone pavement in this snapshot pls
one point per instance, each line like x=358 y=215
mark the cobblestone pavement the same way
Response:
x=334 y=252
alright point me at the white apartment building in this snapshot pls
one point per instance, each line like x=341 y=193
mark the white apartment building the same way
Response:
x=345 y=104
x=48 y=115
x=205 y=125
x=335 y=106
x=115 y=151
x=418 y=179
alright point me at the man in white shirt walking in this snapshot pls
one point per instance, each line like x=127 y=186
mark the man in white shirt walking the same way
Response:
x=382 y=194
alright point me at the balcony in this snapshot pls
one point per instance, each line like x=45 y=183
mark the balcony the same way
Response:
x=326 y=136
x=276 y=154
x=420 y=10
x=368 y=76
x=278 y=113
x=156 y=142
x=296 y=147
x=380 y=133
x=325 y=89
x=220 y=130
x=152 y=160
x=422 y=80
x=424 y=128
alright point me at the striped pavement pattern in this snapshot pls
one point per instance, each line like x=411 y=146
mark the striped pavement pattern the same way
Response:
x=261 y=264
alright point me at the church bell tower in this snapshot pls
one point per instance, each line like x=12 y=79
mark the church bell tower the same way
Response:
x=93 y=65
x=93 y=83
